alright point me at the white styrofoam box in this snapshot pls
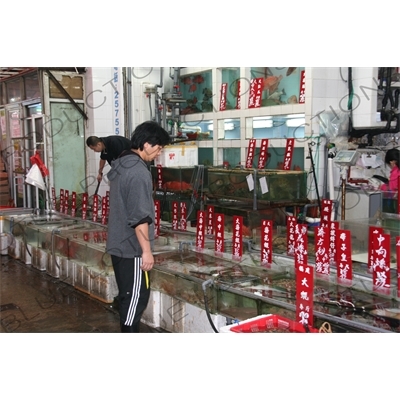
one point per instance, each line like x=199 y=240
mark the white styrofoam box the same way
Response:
x=178 y=316
x=67 y=271
x=40 y=258
x=53 y=269
x=178 y=155
x=5 y=241
x=152 y=314
x=196 y=320
x=26 y=253
x=15 y=247
x=82 y=278
x=103 y=285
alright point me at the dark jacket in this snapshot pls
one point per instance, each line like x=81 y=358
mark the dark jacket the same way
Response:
x=115 y=145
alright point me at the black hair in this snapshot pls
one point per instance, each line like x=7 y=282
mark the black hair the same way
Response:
x=149 y=132
x=92 y=141
x=393 y=155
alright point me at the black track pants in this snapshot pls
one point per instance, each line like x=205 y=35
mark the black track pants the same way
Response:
x=134 y=291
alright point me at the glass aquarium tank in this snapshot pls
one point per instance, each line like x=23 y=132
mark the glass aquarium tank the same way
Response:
x=197 y=90
x=230 y=89
x=281 y=85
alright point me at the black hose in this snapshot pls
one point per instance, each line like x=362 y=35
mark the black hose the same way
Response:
x=204 y=286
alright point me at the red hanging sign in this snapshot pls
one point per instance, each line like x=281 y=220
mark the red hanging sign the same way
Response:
x=200 y=229
x=219 y=233
x=300 y=245
x=398 y=197
x=255 y=95
x=262 y=158
x=326 y=212
x=398 y=264
x=66 y=201
x=157 y=213
x=159 y=177
x=73 y=204
x=237 y=238
x=84 y=205
x=210 y=220
x=322 y=258
x=302 y=91
x=183 y=216
x=291 y=223
x=61 y=200
x=344 y=265
x=175 y=225
x=333 y=228
x=222 y=101
x=287 y=162
x=266 y=242
x=104 y=210
x=238 y=95
x=250 y=153
x=95 y=207
x=381 y=262
x=372 y=231
x=304 y=294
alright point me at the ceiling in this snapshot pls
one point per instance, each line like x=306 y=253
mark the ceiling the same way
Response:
x=11 y=72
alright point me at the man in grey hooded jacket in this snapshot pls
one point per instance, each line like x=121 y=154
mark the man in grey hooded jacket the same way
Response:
x=131 y=220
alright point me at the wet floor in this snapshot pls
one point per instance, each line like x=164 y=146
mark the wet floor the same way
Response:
x=32 y=301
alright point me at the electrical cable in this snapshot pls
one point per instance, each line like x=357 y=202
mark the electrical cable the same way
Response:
x=210 y=282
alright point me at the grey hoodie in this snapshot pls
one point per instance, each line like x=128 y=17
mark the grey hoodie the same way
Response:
x=131 y=201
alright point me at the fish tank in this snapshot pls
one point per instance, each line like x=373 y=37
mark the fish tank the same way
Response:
x=390 y=202
x=270 y=186
x=281 y=85
x=359 y=229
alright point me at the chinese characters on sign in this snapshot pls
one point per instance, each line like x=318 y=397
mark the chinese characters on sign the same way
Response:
x=287 y=163
x=302 y=94
x=200 y=229
x=159 y=176
x=380 y=261
x=237 y=247
x=157 y=205
x=84 y=205
x=175 y=226
x=290 y=230
x=183 y=209
x=256 y=88
x=73 y=204
x=219 y=233
x=322 y=258
x=250 y=153
x=266 y=242
x=262 y=158
x=326 y=212
x=238 y=95
x=222 y=103
x=344 y=263
x=210 y=220
x=304 y=294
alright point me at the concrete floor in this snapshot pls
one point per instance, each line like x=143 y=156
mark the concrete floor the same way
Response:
x=32 y=301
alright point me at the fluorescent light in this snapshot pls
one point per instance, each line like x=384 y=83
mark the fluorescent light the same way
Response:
x=296 y=122
x=230 y=126
x=263 y=123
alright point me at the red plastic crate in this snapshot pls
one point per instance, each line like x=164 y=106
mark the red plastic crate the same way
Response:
x=269 y=324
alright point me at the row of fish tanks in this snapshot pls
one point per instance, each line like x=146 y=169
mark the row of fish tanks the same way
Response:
x=199 y=290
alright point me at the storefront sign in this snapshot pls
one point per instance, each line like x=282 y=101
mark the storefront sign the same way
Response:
x=287 y=163
x=262 y=158
x=266 y=242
